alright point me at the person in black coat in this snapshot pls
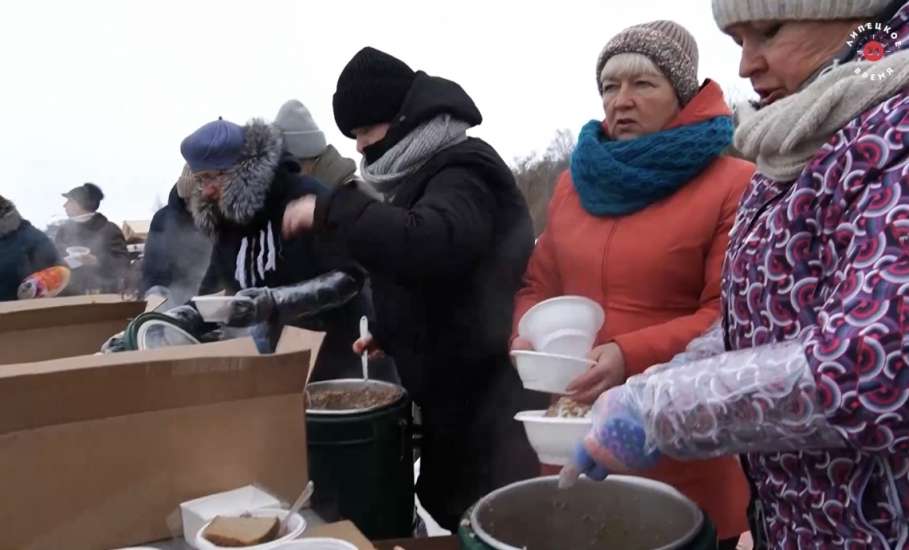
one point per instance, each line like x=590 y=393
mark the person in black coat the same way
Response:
x=240 y=193
x=105 y=267
x=24 y=250
x=176 y=251
x=446 y=252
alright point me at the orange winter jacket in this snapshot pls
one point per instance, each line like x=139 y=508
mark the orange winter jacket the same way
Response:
x=657 y=275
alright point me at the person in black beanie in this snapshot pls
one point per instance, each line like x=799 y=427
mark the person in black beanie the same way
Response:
x=446 y=251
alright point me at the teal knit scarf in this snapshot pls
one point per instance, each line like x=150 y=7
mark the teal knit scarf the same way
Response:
x=616 y=178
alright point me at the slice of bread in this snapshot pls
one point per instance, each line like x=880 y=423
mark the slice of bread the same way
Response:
x=236 y=532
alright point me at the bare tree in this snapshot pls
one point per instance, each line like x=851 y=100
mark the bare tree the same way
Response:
x=537 y=175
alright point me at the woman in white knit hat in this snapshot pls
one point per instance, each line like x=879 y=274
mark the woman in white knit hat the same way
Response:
x=810 y=380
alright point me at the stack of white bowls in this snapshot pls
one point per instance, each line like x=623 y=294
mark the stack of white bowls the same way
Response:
x=562 y=331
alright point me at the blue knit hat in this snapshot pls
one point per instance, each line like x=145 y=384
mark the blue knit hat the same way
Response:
x=216 y=146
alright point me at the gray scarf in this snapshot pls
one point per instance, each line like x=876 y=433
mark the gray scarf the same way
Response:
x=784 y=136
x=411 y=153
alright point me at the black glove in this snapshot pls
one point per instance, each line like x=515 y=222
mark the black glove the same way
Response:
x=285 y=304
x=190 y=319
x=115 y=344
x=259 y=307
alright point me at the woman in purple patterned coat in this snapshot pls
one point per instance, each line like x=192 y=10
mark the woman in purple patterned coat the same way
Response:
x=808 y=376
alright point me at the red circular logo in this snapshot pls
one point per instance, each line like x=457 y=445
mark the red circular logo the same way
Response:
x=873 y=51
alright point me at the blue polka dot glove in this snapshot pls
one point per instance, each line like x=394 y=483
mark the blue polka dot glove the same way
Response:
x=616 y=443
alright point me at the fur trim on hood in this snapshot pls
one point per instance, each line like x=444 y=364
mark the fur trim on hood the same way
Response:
x=10 y=220
x=185 y=183
x=248 y=182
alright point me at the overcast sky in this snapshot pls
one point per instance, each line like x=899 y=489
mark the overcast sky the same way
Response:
x=105 y=90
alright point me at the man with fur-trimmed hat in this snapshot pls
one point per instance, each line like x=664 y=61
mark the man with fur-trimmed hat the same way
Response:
x=238 y=196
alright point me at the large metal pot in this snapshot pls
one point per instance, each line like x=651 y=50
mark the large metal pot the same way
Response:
x=623 y=512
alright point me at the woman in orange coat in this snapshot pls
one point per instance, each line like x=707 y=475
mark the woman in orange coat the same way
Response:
x=640 y=224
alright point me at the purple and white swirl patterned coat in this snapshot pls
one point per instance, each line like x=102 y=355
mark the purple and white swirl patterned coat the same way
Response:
x=815 y=387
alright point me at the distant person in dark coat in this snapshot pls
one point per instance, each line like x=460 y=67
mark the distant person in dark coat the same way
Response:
x=176 y=251
x=24 y=250
x=105 y=266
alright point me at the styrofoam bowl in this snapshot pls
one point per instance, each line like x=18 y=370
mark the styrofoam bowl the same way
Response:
x=547 y=372
x=568 y=341
x=295 y=528
x=554 y=439
x=197 y=512
x=566 y=325
x=216 y=309
x=77 y=251
x=316 y=543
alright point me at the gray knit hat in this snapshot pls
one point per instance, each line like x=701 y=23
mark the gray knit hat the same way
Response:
x=669 y=45
x=731 y=12
x=302 y=137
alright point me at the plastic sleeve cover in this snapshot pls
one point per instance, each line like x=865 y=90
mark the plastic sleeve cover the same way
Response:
x=706 y=345
x=762 y=399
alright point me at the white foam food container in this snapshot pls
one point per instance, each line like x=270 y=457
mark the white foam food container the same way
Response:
x=553 y=438
x=549 y=373
x=295 y=527
x=196 y=513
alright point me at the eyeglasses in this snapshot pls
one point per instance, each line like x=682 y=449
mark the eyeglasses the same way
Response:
x=209 y=177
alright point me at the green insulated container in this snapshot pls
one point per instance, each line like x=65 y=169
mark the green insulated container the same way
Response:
x=361 y=461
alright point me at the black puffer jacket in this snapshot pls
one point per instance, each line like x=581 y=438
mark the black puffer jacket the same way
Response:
x=446 y=257
x=249 y=250
x=23 y=250
x=106 y=242
x=176 y=252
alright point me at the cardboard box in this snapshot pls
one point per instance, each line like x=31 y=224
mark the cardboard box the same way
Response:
x=52 y=328
x=99 y=451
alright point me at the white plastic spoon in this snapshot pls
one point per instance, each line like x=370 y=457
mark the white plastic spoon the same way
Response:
x=301 y=500
x=364 y=357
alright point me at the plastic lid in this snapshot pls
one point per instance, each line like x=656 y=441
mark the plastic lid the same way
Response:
x=156 y=334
